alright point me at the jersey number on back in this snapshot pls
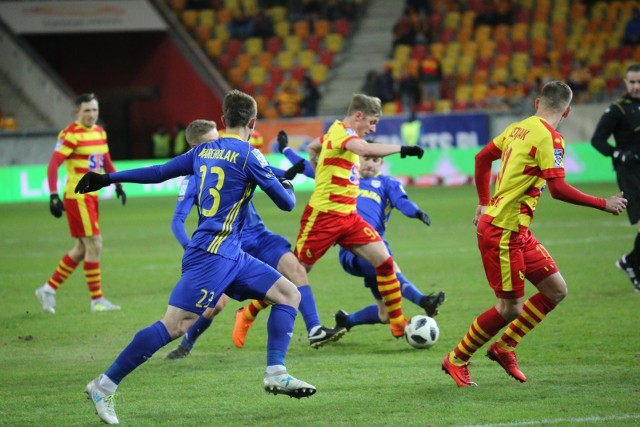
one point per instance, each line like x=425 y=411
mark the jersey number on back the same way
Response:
x=214 y=192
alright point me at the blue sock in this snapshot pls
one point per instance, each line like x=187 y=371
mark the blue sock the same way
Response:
x=409 y=290
x=144 y=344
x=308 y=308
x=279 y=331
x=366 y=316
x=194 y=332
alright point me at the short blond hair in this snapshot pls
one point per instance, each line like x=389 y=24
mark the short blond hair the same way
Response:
x=197 y=129
x=368 y=105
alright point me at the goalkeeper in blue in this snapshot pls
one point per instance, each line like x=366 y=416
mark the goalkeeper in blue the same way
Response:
x=228 y=170
x=378 y=196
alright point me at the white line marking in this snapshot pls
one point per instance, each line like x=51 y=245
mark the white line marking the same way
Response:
x=550 y=421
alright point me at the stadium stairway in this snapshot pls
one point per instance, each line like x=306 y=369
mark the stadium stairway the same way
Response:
x=369 y=49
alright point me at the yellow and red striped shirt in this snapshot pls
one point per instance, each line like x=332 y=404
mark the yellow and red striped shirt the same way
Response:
x=337 y=173
x=532 y=151
x=84 y=150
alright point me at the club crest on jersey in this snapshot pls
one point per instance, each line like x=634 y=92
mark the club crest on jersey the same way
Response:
x=557 y=154
x=376 y=183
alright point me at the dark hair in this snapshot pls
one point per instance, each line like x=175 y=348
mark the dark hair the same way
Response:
x=556 y=96
x=633 y=68
x=238 y=109
x=85 y=97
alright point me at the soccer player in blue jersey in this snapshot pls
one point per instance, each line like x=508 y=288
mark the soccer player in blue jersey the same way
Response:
x=227 y=170
x=378 y=196
x=258 y=241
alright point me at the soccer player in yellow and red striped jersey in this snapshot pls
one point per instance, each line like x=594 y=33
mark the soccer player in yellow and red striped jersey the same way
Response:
x=330 y=217
x=82 y=146
x=532 y=157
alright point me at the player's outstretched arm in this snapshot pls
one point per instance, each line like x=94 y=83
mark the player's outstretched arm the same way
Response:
x=375 y=149
x=92 y=181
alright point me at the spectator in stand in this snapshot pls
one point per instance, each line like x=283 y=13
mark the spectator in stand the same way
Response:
x=386 y=85
x=409 y=90
x=288 y=102
x=370 y=86
x=632 y=29
x=431 y=75
x=262 y=25
x=578 y=81
x=310 y=98
x=241 y=25
x=405 y=29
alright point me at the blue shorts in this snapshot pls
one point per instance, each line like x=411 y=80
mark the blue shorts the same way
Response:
x=206 y=276
x=266 y=246
x=359 y=267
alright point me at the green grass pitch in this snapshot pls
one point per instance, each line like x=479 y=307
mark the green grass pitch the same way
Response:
x=583 y=362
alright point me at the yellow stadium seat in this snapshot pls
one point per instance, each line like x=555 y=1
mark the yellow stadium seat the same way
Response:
x=257 y=75
x=282 y=29
x=253 y=45
x=334 y=42
x=306 y=58
x=206 y=17
x=319 y=73
x=286 y=59
x=389 y=108
x=443 y=106
x=293 y=44
x=402 y=52
x=214 y=47
x=452 y=21
x=278 y=14
x=221 y=32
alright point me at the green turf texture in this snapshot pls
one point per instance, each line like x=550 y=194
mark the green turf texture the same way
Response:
x=582 y=362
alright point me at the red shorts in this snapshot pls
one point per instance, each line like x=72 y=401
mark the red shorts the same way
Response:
x=321 y=230
x=510 y=257
x=82 y=215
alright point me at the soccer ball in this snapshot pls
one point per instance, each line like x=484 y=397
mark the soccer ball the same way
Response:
x=422 y=331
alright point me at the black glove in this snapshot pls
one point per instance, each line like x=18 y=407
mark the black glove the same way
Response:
x=283 y=141
x=121 y=194
x=423 y=216
x=92 y=181
x=625 y=157
x=286 y=183
x=416 y=151
x=294 y=170
x=55 y=205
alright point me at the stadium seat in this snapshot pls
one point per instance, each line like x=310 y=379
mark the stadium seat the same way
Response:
x=306 y=58
x=224 y=62
x=321 y=27
x=301 y=28
x=257 y=75
x=265 y=60
x=178 y=5
x=443 y=106
x=326 y=57
x=190 y=19
x=297 y=73
x=203 y=34
x=236 y=76
x=418 y=52
x=253 y=45
x=334 y=42
x=285 y=60
x=319 y=73
x=249 y=88
x=206 y=17
x=234 y=47
x=244 y=61
x=222 y=32
x=341 y=26
x=293 y=44
x=282 y=29
x=214 y=47
x=274 y=45
x=224 y=16
x=278 y=14
x=270 y=87
x=313 y=42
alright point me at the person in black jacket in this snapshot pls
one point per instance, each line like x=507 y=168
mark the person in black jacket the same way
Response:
x=622 y=120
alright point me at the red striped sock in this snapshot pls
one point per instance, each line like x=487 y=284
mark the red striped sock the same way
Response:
x=389 y=288
x=255 y=306
x=534 y=311
x=482 y=330
x=94 y=280
x=66 y=266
